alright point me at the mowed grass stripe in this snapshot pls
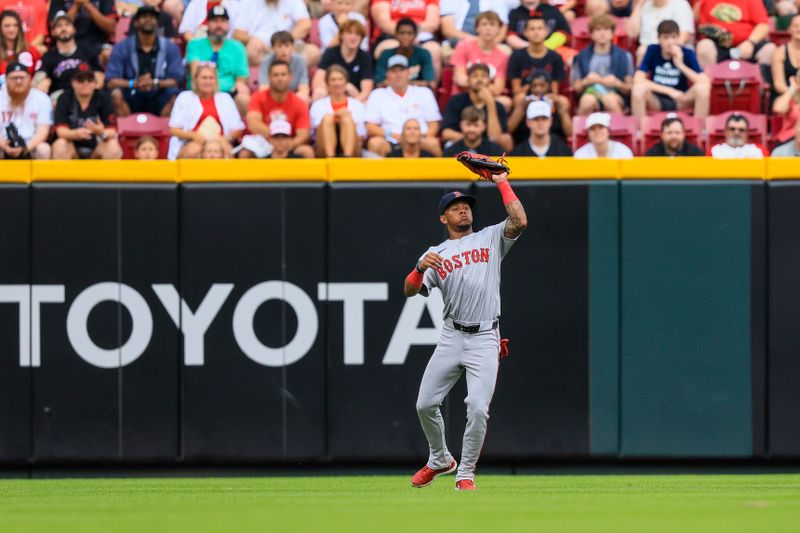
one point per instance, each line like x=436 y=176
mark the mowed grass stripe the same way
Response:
x=707 y=503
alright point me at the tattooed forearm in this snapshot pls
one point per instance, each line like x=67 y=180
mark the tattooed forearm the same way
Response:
x=517 y=219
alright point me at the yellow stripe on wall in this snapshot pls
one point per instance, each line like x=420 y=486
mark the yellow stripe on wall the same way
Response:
x=439 y=169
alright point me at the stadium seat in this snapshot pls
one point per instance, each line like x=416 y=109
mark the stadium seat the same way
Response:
x=779 y=37
x=445 y=87
x=137 y=125
x=715 y=128
x=651 y=129
x=581 y=37
x=623 y=129
x=735 y=85
x=121 y=29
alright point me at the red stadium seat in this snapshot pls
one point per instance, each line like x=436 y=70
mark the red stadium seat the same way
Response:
x=445 y=87
x=715 y=128
x=137 y=125
x=623 y=129
x=735 y=85
x=651 y=129
x=121 y=29
x=581 y=37
x=779 y=37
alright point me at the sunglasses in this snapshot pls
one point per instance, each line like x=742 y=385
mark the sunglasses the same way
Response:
x=733 y=128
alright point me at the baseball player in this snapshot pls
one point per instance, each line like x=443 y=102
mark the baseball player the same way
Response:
x=466 y=268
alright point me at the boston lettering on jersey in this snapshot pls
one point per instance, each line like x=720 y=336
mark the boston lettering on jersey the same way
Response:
x=476 y=255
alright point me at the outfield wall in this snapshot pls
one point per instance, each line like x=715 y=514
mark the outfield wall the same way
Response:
x=263 y=318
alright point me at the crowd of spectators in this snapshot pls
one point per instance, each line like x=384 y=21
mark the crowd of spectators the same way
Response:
x=388 y=78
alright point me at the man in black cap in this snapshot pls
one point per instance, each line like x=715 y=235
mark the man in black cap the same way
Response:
x=95 y=23
x=25 y=117
x=59 y=63
x=229 y=55
x=85 y=121
x=145 y=69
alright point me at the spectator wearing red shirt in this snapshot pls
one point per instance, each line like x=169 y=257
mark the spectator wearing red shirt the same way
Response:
x=13 y=48
x=84 y=120
x=386 y=14
x=484 y=50
x=276 y=103
x=34 y=20
x=788 y=106
x=203 y=114
x=732 y=29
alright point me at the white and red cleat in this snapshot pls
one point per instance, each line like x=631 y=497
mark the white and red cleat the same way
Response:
x=425 y=476
x=465 y=484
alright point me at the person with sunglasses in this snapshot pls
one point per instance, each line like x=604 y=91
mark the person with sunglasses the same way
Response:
x=85 y=120
x=736 y=145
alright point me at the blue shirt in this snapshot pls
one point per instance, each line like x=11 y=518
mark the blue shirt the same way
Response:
x=663 y=72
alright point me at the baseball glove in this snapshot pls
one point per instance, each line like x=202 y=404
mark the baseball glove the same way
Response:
x=483 y=165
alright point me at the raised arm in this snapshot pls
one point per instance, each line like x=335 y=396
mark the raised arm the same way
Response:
x=517 y=219
x=413 y=284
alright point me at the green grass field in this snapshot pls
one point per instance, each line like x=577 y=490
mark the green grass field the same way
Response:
x=646 y=503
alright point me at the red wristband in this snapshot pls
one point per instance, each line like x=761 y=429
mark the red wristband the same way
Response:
x=506 y=192
x=415 y=278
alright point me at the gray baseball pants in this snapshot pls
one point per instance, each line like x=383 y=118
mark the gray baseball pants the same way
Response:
x=456 y=352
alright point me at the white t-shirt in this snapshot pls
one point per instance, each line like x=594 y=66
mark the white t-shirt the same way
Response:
x=390 y=110
x=197 y=11
x=678 y=10
x=328 y=29
x=36 y=111
x=261 y=20
x=459 y=9
x=726 y=151
x=470 y=275
x=616 y=150
x=323 y=107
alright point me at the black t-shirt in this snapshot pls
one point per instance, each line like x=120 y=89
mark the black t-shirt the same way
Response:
x=147 y=60
x=69 y=113
x=398 y=152
x=552 y=17
x=522 y=132
x=458 y=102
x=87 y=33
x=486 y=147
x=60 y=67
x=521 y=65
x=165 y=26
x=688 y=149
x=359 y=69
x=558 y=148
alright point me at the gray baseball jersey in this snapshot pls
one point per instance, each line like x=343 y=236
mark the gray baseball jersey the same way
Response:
x=470 y=276
x=470 y=283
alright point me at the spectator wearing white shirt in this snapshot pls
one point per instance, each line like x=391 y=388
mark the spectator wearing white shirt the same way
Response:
x=256 y=20
x=329 y=24
x=337 y=120
x=390 y=107
x=29 y=110
x=600 y=144
x=203 y=114
x=648 y=14
x=736 y=145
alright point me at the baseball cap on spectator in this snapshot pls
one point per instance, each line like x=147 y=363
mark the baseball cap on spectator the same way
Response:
x=83 y=71
x=598 y=119
x=397 y=60
x=145 y=10
x=60 y=14
x=218 y=11
x=479 y=66
x=280 y=127
x=538 y=108
x=15 y=66
x=451 y=197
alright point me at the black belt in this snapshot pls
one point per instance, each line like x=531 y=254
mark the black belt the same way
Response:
x=472 y=329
